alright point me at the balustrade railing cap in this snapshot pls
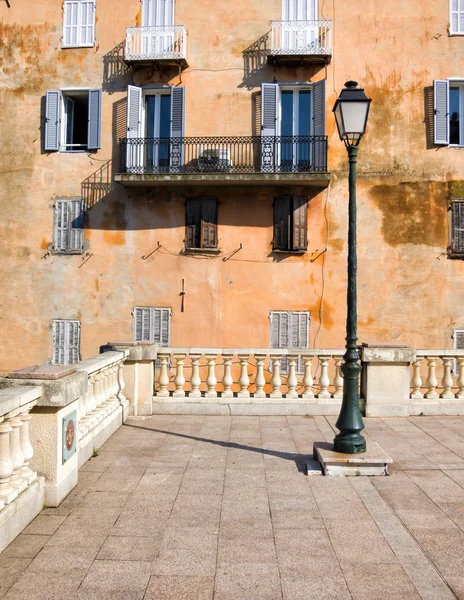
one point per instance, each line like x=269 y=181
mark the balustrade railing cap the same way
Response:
x=46 y=372
x=14 y=396
x=383 y=345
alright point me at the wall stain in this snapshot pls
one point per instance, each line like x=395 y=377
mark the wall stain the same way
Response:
x=413 y=213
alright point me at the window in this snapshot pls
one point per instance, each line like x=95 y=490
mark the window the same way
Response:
x=78 y=23
x=157 y=13
x=73 y=120
x=290 y=329
x=456 y=248
x=152 y=325
x=296 y=115
x=66 y=342
x=457 y=17
x=458 y=344
x=448 y=112
x=68 y=227
x=290 y=224
x=201 y=223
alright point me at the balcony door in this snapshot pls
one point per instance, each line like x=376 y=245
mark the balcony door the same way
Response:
x=158 y=125
x=295 y=127
x=300 y=31
x=157 y=14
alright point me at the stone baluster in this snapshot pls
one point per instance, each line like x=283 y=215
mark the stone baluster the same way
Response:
x=121 y=382
x=460 y=379
x=211 y=380
x=179 y=379
x=292 y=381
x=28 y=452
x=447 y=381
x=431 y=382
x=260 y=380
x=195 y=379
x=324 y=380
x=104 y=407
x=308 y=381
x=227 y=379
x=338 y=379
x=416 y=381
x=98 y=392
x=7 y=492
x=244 y=380
x=17 y=455
x=276 y=381
x=163 y=380
x=92 y=392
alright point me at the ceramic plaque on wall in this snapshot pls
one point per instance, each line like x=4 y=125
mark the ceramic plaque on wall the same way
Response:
x=69 y=435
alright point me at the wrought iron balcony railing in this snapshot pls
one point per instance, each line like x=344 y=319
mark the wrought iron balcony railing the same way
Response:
x=301 y=37
x=252 y=154
x=156 y=43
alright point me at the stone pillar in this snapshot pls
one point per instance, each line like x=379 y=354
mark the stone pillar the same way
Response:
x=385 y=379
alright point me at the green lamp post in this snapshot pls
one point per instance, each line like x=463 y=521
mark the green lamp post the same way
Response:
x=351 y=110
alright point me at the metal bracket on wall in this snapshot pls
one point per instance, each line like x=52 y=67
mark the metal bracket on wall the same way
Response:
x=182 y=295
x=8 y=3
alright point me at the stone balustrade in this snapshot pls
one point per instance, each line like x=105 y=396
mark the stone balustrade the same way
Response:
x=251 y=375
x=437 y=376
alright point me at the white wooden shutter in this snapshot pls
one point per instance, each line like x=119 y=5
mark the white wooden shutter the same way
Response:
x=457 y=16
x=68 y=231
x=458 y=344
x=134 y=150
x=73 y=342
x=299 y=10
x=299 y=334
x=52 y=120
x=58 y=342
x=66 y=342
x=78 y=23
x=153 y=324
x=60 y=227
x=94 y=124
x=142 y=324
x=280 y=334
x=269 y=107
x=177 y=126
x=441 y=111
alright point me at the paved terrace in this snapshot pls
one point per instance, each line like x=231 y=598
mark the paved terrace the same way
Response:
x=190 y=507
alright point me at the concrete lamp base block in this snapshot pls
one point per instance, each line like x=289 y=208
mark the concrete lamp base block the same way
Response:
x=371 y=463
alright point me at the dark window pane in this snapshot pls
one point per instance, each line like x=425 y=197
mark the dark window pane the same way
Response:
x=454 y=116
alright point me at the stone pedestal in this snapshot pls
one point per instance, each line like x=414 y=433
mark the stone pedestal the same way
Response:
x=385 y=379
x=370 y=463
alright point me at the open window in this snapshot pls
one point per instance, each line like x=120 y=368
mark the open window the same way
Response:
x=201 y=223
x=290 y=224
x=73 y=120
x=448 y=105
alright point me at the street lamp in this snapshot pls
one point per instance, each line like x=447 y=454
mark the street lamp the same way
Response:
x=351 y=110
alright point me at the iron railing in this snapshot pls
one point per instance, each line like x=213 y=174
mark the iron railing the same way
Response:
x=301 y=37
x=156 y=43
x=252 y=154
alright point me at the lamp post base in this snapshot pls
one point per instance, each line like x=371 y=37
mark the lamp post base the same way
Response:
x=349 y=443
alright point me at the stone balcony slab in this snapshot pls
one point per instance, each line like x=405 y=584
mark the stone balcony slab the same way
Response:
x=46 y=372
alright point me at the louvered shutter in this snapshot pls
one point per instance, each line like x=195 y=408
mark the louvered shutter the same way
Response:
x=208 y=223
x=134 y=150
x=58 y=342
x=73 y=342
x=162 y=326
x=79 y=23
x=94 y=126
x=458 y=227
x=320 y=144
x=193 y=219
x=143 y=324
x=177 y=126
x=441 y=111
x=280 y=334
x=300 y=223
x=60 y=226
x=157 y=13
x=299 y=334
x=71 y=23
x=269 y=100
x=76 y=225
x=52 y=120
x=458 y=339
x=281 y=222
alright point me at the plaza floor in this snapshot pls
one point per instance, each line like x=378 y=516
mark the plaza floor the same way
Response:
x=196 y=508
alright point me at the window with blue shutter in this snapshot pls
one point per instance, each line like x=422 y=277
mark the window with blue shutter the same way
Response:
x=78 y=23
x=65 y=342
x=68 y=228
x=73 y=120
x=290 y=329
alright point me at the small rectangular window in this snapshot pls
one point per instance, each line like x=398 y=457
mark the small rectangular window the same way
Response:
x=290 y=224
x=78 y=23
x=152 y=325
x=68 y=230
x=201 y=223
x=66 y=341
x=290 y=329
x=456 y=248
x=457 y=17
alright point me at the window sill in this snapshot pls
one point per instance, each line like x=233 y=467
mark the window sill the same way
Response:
x=68 y=252
x=291 y=252
x=206 y=251
x=455 y=255
x=78 y=46
x=80 y=151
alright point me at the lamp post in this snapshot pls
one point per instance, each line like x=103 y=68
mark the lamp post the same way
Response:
x=351 y=110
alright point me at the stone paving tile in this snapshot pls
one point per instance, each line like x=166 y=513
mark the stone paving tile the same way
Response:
x=10 y=570
x=78 y=536
x=131 y=548
x=370 y=582
x=116 y=580
x=180 y=588
x=246 y=550
x=44 y=525
x=318 y=587
x=187 y=552
x=45 y=586
x=56 y=559
x=236 y=581
x=295 y=512
x=25 y=546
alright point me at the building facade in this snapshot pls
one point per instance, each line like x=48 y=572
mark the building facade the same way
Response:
x=170 y=170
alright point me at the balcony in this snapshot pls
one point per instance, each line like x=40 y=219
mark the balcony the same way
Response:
x=164 y=45
x=252 y=160
x=301 y=42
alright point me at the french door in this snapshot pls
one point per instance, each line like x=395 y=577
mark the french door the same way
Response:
x=157 y=14
x=295 y=129
x=300 y=29
x=158 y=125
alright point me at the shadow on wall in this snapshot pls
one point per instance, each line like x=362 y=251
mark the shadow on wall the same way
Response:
x=255 y=62
x=116 y=74
x=429 y=117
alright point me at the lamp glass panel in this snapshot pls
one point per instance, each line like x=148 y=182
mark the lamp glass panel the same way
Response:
x=354 y=116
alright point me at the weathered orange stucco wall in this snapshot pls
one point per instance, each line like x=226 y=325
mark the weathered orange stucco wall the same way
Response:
x=408 y=290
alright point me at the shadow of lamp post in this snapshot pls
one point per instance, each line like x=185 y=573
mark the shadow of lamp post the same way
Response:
x=351 y=111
